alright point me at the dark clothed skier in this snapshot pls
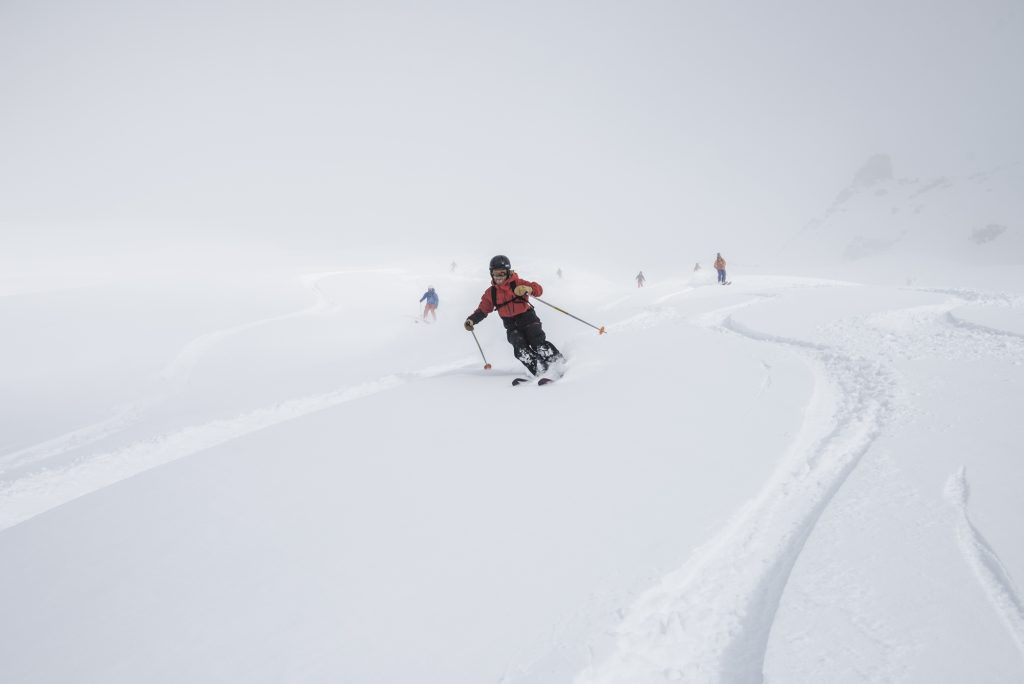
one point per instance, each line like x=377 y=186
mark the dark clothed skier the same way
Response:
x=640 y=279
x=509 y=295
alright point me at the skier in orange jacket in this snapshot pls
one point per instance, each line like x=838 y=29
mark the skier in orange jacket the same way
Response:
x=720 y=267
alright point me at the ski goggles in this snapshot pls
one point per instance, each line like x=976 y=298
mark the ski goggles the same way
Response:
x=499 y=273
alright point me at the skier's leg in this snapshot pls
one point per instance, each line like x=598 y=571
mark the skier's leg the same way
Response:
x=545 y=352
x=529 y=359
x=521 y=349
x=548 y=355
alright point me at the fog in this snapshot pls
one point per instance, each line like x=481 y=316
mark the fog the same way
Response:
x=599 y=132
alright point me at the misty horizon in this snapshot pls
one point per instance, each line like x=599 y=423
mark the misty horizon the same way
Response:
x=576 y=128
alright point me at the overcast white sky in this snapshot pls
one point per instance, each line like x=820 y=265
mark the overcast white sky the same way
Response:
x=626 y=126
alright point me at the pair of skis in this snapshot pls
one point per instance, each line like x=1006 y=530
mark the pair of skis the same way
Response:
x=543 y=381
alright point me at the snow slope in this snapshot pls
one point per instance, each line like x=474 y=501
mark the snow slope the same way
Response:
x=761 y=482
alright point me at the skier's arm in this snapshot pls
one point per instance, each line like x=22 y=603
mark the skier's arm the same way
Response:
x=537 y=289
x=486 y=307
x=423 y=297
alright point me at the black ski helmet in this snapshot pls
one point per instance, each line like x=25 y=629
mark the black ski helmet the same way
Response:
x=501 y=261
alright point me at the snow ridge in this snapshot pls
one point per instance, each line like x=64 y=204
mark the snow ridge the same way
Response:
x=710 y=620
x=953 y=319
x=75 y=439
x=995 y=581
x=177 y=372
x=976 y=296
x=25 y=497
x=28 y=496
x=174 y=375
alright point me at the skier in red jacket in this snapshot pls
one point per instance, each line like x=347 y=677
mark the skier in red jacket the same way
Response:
x=509 y=295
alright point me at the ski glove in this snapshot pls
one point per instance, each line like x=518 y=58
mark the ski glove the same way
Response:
x=523 y=290
x=468 y=325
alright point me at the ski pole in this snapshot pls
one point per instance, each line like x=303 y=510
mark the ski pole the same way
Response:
x=487 y=366
x=600 y=331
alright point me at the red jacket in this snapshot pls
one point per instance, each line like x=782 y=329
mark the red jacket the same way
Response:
x=508 y=304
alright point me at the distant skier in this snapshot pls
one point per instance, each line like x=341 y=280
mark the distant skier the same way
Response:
x=640 y=280
x=454 y=266
x=559 y=272
x=431 y=306
x=509 y=295
x=720 y=267
x=696 y=267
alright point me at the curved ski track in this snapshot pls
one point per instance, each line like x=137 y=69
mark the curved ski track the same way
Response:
x=32 y=494
x=710 y=620
x=39 y=486
x=979 y=555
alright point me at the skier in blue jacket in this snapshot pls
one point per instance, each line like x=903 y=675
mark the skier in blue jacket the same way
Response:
x=431 y=305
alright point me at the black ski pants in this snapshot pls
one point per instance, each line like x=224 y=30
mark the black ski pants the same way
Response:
x=530 y=344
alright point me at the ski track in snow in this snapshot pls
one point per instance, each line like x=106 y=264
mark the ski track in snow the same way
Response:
x=710 y=620
x=175 y=375
x=177 y=372
x=30 y=495
x=673 y=295
x=984 y=563
x=928 y=331
x=953 y=319
x=649 y=318
x=49 y=486
x=123 y=418
x=976 y=296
